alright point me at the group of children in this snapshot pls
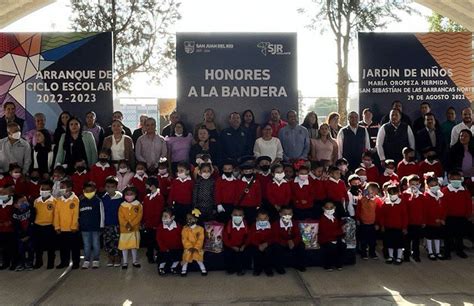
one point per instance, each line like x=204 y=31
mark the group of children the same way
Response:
x=260 y=204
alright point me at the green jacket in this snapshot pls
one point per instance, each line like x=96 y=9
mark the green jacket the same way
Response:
x=89 y=145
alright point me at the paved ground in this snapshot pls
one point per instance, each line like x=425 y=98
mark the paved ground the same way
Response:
x=366 y=283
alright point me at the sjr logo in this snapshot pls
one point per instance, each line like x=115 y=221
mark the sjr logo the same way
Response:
x=268 y=48
x=189 y=47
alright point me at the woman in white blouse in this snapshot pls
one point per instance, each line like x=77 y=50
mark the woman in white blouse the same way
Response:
x=268 y=145
x=120 y=145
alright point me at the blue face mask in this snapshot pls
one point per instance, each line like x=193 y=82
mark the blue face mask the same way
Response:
x=434 y=189
x=23 y=206
x=456 y=183
x=4 y=198
x=263 y=224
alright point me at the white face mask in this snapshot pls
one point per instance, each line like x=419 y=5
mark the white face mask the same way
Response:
x=140 y=172
x=303 y=177
x=178 y=135
x=330 y=211
x=367 y=163
x=389 y=171
x=363 y=178
x=434 y=189
x=237 y=220
x=162 y=171
x=279 y=176
x=123 y=170
x=16 y=135
x=45 y=193
x=182 y=175
x=286 y=218
x=393 y=197
x=205 y=175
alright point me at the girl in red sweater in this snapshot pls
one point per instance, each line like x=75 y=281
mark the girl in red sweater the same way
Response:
x=264 y=176
x=261 y=239
x=431 y=163
x=389 y=174
x=414 y=200
x=278 y=191
x=181 y=192
x=336 y=191
x=317 y=181
x=330 y=237
x=153 y=206
x=139 y=179
x=225 y=193
x=371 y=170
x=235 y=238
x=170 y=246
x=101 y=170
x=302 y=195
x=408 y=166
x=249 y=192
x=435 y=214
x=80 y=176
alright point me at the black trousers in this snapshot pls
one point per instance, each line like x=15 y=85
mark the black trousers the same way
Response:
x=149 y=240
x=45 y=240
x=368 y=239
x=235 y=261
x=333 y=254
x=412 y=240
x=304 y=214
x=262 y=260
x=250 y=214
x=455 y=230
x=8 y=244
x=169 y=257
x=69 y=247
x=180 y=212
x=225 y=216
x=296 y=255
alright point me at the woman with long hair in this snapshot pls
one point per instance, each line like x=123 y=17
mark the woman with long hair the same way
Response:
x=251 y=128
x=333 y=122
x=324 y=147
x=310 y=122
x=43 y=152
x=209 y=117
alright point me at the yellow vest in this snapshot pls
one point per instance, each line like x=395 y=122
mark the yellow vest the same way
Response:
x=66 y=214
x=45 y=211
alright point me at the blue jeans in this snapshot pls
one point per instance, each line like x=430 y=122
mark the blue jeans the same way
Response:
x=91 y=242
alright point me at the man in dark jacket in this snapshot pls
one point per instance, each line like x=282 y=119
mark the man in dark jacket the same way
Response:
x=9 y=109
x=430 y=136
x=234 y=141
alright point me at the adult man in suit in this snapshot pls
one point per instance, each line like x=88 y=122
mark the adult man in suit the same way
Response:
x=430 y=136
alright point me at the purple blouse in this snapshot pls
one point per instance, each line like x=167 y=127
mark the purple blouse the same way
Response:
x=179 y=147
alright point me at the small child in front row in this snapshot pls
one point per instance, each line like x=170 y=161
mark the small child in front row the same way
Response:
x=330 y=235
x=415 y=202
x=181 y=193
x=112 y=200
x=367 y=215
x=153 y=206
x=435 y=215
x=22 y=222
x=192 y=237
x=261 y=239
x=130 y=218
x=235 y=238
x=170 y=247
x=278 y=191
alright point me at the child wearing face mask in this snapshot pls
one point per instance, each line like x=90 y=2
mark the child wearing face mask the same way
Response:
x=235 y=238
x=80 y=176
x=192 y=237
x=302 y=195
x=336 y=191
x=435 y=215
x=22 y=223
x=330 y=235
x=415 y=201
x=261 y=239
x=153 y=206
x=371 y=170
x=317 y=180
x=32 y=185
x=101 y=170
x=164 y=177
x=249 y=192
x=203 y=192
x=111 y=201
x=288 y=241
x=394 y=222
x=43 y=232
x=225 y=193
x=130 y=218
x=59 y=174
x=458 y=205
x=19 y=182
x=362 y=174
x=124 y=175
x=8 y=241
x=408 y=165
x=66 y=224
x=91 y=221
x=289 y=172
x=354 y=193
x=431 y=163
x=139 y=180
x=389 y=174
x=264 y=176
x=181 y=193
x=343 y=166
x=278 y=192
x=170 y=247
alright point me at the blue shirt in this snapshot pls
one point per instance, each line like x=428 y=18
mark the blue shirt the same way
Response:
x=295 y=142
x=111 y=208
x=91 y=214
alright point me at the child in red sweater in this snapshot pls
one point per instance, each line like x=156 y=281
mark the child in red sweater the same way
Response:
x=164 y=178
x=330 y=237
x=289 y=172
x=408 y=166
x=235 y=238
x=317 y=181
x=8 y=242
x=371 y=170
x=278 y=191
x=170 y=246
x=389 y=174
x=458 y=204
x=153 y=206
x=139 y=180
x=101 y=170
x=302 y=195
x=264 y=176
x=431 y=163
x=394 y=222
x=225 y=192
x=435 y=214
x=288 y=241
x=181 y=193
x=249 y=192
x=32 y=185
x=18 y=180
x=79 y=177
x=261 y=238
x=414 y=200
x=336 y=191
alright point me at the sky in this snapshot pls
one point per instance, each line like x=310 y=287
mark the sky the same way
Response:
x=316 y=52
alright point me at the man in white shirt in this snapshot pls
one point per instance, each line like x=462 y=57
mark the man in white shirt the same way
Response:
x=466 y=124
x=352 y=141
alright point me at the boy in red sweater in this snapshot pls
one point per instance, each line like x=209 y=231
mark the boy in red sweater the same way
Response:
x=225 y=192
x=181 y=193
x=302 y=195
x=431 y=163
x=264 y=176
x=7 y=231
x=18 y=180
x=394 y=222
x=101 y=170
x=32 y=185
x=261 y=238
x=249 y=192
x=408 y=166
x=153 y=206
x=278 y=192
x=458 y=204
x=389 y=174
x=317 y=182
x=435 y=215
x=414 y=200
x=336 y=191
x=235 y=238
x=170 y=246
x=139 y=180
x=79 y=177
x=330 y=237
x=288 y=241
x=164 y=178
x=371 y=170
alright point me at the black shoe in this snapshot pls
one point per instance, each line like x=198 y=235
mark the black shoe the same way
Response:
x=389 y=260
x=203 y=273
x=62 y=266
x=75 y=266
x=37 y=265
x=406 y=259
x=4 y=267
x=136 y=265
x=280 y=271
x=257 y=272
x=230 y=272
x=398 y=261
x=124 y=266
x=461 y=254
x=374 y=257
x=50 y=266
x=300 y=268
x=417 y=258
x=440 y=256
x=269 y=272
x=12 y=268
x=241 y=273
x=174 y=271
x=161 y=272
x=184 y=273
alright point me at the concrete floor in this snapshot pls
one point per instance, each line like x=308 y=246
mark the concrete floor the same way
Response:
x=366 y=283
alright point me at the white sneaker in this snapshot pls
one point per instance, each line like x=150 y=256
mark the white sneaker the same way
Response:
x=86 y=265
x=95 y=264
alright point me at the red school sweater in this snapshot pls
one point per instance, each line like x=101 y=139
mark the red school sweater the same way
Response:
x=264 y=180
x=433 y=209
x=372 y=173
x=437 y=168
x=282 y=235
x=386 y=178
x=407 y=168
x=153 y=205
x=181 y=192
x=233 y=237
x=279 y=194
x=33 y=190
x=415 y=208
x=165 y=184
x=225 y=191
x=78 y=180
x=257 y=237
x=394 y=216
x=251 y=199
x=99 y=174
x=300 y=194
x=328 y=230
x=457 y=204
x=6 y=218
x=139 y=182
x=318 y=187
x=336 y=191
x=169 y=239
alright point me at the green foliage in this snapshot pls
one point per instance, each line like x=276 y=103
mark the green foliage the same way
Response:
x=323 y=106
x=141 y=38
x=439 y=23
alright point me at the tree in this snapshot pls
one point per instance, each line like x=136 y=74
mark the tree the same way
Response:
x=140 y=30
x=345 y=18
x=439 y=23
